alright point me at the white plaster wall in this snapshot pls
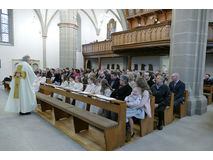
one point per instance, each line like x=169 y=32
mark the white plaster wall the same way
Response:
x=164 y=64
x=28 y=40
x=209 y=65
x=154 y=60
x=52 y=48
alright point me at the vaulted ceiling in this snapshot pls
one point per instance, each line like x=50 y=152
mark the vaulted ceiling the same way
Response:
x=45 y=17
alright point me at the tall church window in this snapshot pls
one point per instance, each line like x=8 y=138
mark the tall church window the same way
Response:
x=108 y=67
x=143 y=67
x=113 y=66
x=5 y=26
x=135 y=67
x=118 y=66
x=150 y=67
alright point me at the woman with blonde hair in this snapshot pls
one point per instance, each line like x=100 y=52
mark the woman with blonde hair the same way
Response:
x=138 y=109
x=131 y=80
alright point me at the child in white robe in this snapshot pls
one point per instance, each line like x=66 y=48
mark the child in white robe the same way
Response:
x=90 y=88
x=97 y=90
x=78 y=86
x=63 y=84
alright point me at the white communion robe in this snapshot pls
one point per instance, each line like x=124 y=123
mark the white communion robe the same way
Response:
x=90 y=88
x=94 y=109
x=36 y=83
x=22 y=96
x=76 y=86
x=55 y=95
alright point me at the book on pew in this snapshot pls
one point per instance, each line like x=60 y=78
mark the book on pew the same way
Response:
x=104 y=97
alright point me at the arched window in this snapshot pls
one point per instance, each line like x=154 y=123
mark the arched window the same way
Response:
x=108 y=67
x=150 y=67
x=113 y=66
x=89 y=64
x=135 y=67
x=6 y=26
x=118 y=66
x=143 y=67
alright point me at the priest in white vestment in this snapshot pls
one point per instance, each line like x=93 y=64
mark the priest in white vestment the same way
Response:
x=22 y=98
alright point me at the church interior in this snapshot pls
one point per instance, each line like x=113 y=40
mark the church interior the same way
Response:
x=104 y=43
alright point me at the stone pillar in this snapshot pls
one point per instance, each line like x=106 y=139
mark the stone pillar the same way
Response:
x=44 y=38
x=68 y=31
x=188 y=52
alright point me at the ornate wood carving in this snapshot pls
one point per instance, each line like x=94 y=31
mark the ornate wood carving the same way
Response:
x=155 y=35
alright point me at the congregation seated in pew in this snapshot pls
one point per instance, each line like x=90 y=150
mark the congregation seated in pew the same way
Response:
x=116 y=80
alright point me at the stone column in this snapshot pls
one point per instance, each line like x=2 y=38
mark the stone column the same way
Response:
x=68 y=31
x=188 y=52
x=44 y=38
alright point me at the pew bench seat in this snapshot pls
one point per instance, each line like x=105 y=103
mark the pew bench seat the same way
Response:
x=81 y=118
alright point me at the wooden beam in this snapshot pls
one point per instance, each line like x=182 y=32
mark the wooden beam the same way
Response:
x=99 y=63
x=129 y=62
x=84 y=63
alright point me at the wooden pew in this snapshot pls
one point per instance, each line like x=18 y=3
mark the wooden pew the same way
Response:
x=114 y=132
x=182 y=108
x=168 y=113
x=48 y=80
x=208 y=95
x=147 y=124
x=7 y=85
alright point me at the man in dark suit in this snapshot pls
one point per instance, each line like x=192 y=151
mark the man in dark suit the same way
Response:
x=207 y=80
x=148 y=79
x=115 y=82
x=162 y=98
x=178 y=87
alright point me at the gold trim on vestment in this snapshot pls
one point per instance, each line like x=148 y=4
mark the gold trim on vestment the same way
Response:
x=18 y=75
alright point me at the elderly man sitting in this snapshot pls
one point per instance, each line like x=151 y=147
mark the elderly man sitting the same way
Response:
x=162 y=98
x=178 y=87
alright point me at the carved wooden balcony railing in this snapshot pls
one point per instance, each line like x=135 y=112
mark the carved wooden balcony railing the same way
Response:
x=151 y=35
x=210 y=32
x=157 y=35
x=103 y=49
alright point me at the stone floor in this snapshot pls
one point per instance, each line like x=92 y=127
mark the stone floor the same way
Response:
x=32 y=133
